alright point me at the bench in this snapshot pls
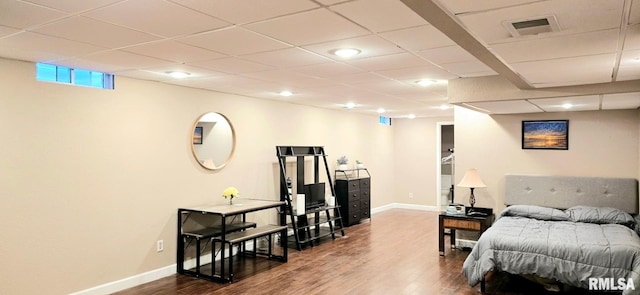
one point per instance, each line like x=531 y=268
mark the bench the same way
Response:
x=210 y=232
x=253 y=234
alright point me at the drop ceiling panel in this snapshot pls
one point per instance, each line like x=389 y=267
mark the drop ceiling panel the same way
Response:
x=174 y=51
x=578 y=103
x=466 y=6
x=506 y=107
x=419 y=38
x=358 y=78
x=389 y=62
x=232 y=65
x=234 y=41
x=18 y=14
x=86 y=30
x=113 y=61
x=248 y=11
x=73 y=6
x=327 y=70
x=629 y=66
x=634 y=16
x=288 y=57
x=370 y=45
x=449 y=54
x=468 y=67
x=621 y=101
x=411 y=75
x=154 y=19
x=380 y=15
x=43 y=48
x=310 y=27
x=632 y=40
x=569 y=71
x=290 y=80
x=573 y=16
x=590 y=43
x=162 y=73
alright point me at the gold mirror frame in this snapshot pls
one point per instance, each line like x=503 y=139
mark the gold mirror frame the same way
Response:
x=209 y=163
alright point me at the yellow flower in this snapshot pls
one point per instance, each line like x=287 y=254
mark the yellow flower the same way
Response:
x=230 y=193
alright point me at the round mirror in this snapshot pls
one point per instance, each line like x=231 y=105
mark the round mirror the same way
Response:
x=213 y=141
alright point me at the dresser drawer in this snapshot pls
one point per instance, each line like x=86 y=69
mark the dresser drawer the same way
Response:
x=353 y=217
x=462 y=224
x=365 y=183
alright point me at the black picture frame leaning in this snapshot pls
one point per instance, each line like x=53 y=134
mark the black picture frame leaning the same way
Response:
x=545 y=135
x=197 y=135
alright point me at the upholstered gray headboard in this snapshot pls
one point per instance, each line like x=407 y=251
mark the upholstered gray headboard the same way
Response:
x=563 y=192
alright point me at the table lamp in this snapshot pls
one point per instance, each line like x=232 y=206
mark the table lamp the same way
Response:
x=472 y=180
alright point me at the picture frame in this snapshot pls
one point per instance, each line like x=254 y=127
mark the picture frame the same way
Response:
x=545 y=135
x=197 y=135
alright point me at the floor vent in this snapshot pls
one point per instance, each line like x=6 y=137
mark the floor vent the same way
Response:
x=532 y=26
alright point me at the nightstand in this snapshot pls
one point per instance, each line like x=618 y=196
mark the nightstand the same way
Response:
x=463 y=222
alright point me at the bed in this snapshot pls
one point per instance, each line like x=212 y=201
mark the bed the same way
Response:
x=577 y=231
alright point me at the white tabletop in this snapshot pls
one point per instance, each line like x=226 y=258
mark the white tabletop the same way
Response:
x=239 y=206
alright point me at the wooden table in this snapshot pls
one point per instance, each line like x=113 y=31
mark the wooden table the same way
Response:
x=463 y=222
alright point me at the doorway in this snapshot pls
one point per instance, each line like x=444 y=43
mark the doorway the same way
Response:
x=445 y=153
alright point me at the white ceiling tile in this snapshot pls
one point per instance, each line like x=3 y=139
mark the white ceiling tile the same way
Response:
x=73 y=6
x=18 y=14
x=528 y=49
x=578 y=103
x=154 y=20
x=234 y=41
x=634 y=17
x=291 y=80
x=359 y=78
x=467 y=67
x=506 y=107
x=6 y=31
x=370 y=45
x=310 y=27
x=389 y=62
x=466 y=6
x=86 y=30
x=174 y=51
x=447 y=54
x=632 y=40
x=619 y=101
x=572 y=15
x=571 y=71
x=112 y=61
x=232 y=65
x=248 y=11
x=162 y=73
x=331 y=2
x=42 y=48
x=288 y=57
x=380 y=15
x=419 y=38
x=411 y=75
x=328 y=70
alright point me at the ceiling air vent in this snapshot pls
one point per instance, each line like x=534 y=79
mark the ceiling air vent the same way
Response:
x=532 y=26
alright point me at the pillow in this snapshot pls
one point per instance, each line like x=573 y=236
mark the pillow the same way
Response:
x=601 y=215
x=535 y=212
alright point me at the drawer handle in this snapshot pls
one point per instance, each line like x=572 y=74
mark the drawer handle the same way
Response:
x=355 y=195
x=354 y=205
x=355 y=216
x=365 y=193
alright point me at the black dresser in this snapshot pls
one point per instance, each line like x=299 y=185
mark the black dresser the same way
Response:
x=353 y=195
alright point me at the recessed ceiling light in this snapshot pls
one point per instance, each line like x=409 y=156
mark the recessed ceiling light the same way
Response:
x=381 y=110
x=567 y=105
x=445 y=107
x=350 y=105
x=178 y=75
x=346 y=52
x=286 y=93
x=425 y=82
x=411 y=116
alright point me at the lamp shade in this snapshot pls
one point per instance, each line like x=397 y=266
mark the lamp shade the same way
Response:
x=471 y=179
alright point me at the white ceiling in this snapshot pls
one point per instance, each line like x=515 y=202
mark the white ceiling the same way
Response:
x=258 y=48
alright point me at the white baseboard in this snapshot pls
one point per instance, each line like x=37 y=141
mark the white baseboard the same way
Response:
x=162 y=272
x=129 y=282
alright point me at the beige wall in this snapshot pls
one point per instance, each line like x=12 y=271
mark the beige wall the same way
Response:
x=90 y=179
x=603 y=143
x=416 y=160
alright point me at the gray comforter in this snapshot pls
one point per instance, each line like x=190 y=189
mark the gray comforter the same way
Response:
x=575 y=247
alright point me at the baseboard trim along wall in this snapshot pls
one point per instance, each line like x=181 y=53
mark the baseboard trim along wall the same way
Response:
x=162 y=272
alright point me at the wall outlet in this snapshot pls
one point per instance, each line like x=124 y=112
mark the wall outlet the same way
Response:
x=160 y=245
x=410 y=195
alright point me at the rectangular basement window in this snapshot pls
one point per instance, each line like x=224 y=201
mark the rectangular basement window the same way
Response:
x=60 y=74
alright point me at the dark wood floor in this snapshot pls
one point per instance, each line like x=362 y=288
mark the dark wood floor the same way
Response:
x=395 y=253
